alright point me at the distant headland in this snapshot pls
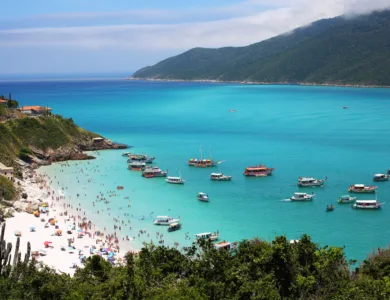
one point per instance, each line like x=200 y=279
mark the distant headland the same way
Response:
x=332 y=52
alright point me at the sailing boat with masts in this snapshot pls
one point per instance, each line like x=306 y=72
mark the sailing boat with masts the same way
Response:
x=203 y=163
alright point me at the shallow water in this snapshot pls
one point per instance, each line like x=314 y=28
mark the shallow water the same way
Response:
x=300 y=131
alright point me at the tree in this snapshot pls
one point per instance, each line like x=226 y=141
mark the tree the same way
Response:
x=12 y=104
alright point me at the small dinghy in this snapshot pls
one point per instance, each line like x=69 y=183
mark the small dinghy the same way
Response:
x=329 y=208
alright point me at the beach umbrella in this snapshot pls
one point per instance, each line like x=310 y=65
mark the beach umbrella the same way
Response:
x=18 y=233
x=44 y=205
x=59 y=232
x=47 y=243
x=32 y=228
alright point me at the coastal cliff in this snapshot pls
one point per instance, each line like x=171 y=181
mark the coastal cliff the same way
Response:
x=346 y=51
x=45 y=139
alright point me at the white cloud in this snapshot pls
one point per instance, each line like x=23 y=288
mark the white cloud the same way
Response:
x=250 y=22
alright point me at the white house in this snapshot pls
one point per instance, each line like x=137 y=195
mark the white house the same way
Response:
x=6 y=171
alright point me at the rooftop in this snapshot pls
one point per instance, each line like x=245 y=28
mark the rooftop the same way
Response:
x=34 y=107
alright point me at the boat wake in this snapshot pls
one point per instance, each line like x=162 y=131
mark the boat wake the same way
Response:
x=286 y=200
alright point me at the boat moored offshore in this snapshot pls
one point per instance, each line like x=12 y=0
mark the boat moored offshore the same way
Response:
x=203 y=163
x=361 y=188
x=220 y=177
x=381 y=177
x=367 y=204
x=310 y=182
x=258 y=171
x=174 y=180
x=302 y=197
x=346 y=199
x=212 y=236
x=141 y=158
x=203 y=197
x=174 y=227
x=137 y=166
x=165 y=220
x=224 y=245
x=154 y=172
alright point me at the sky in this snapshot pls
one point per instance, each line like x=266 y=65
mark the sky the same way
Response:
x=121 y=36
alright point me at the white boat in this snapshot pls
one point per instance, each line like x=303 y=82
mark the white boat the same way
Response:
x=310 y=182
x=225 y=245
x=212 y=236
x=346 y=199
x=367 y=204
x=220 y=177
x=203 y=197
x=165 y=220
x=381 y=177
x=361 y=188
x=302 y=197
x=175 y=180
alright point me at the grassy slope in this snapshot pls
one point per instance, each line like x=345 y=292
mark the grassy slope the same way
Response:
x=7 y=189
x=43 y=133
x=339 y=50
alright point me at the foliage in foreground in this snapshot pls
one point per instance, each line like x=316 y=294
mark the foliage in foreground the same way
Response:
x=256 y=270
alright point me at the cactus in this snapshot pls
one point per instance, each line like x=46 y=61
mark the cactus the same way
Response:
x=2 y=232
x=27 y=255
x=15 y=262
x=6 y=257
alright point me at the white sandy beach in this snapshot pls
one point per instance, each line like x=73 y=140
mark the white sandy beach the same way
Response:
x=83 y=240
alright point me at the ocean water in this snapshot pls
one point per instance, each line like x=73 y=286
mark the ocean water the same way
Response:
x=298 y=130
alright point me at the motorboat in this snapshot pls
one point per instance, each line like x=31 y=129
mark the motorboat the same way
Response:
x=346 y=199
x=212 y=236
x=329 y=208
x=203 y=197
x=381 y=177
x=361 y=188
x=174 y=227
x=310 y=182
x=224 y=245
x=220 y=177
x=165 y=220
x=137 y=166
x=258 y=171
x=302 y=197
x=126 y=154
x=175 y=180
x=153 y=172
x=367 y=204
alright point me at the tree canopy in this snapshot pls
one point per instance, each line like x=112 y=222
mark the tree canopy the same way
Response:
x=254 y=270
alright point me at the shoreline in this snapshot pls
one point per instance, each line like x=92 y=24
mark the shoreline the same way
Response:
x=86 y=237
x=257 y=82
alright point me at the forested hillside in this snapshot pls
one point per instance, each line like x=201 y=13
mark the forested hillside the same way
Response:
x=334 y=51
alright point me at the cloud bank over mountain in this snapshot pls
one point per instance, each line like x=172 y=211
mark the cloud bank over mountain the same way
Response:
x=152 y=33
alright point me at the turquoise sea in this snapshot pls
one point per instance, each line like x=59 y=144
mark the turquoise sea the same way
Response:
x=298 y=130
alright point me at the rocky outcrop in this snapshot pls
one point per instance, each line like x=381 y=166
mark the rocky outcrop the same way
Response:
x=74 y=152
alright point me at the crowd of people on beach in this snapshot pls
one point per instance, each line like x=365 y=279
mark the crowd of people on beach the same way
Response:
x=103 y=205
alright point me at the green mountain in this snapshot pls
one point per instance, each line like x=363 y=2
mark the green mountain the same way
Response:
x=341 y=50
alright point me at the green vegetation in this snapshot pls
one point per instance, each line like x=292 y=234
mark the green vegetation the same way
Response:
x=334 y=51
x=7 y=189
x=255 y=270
x=18 y=136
